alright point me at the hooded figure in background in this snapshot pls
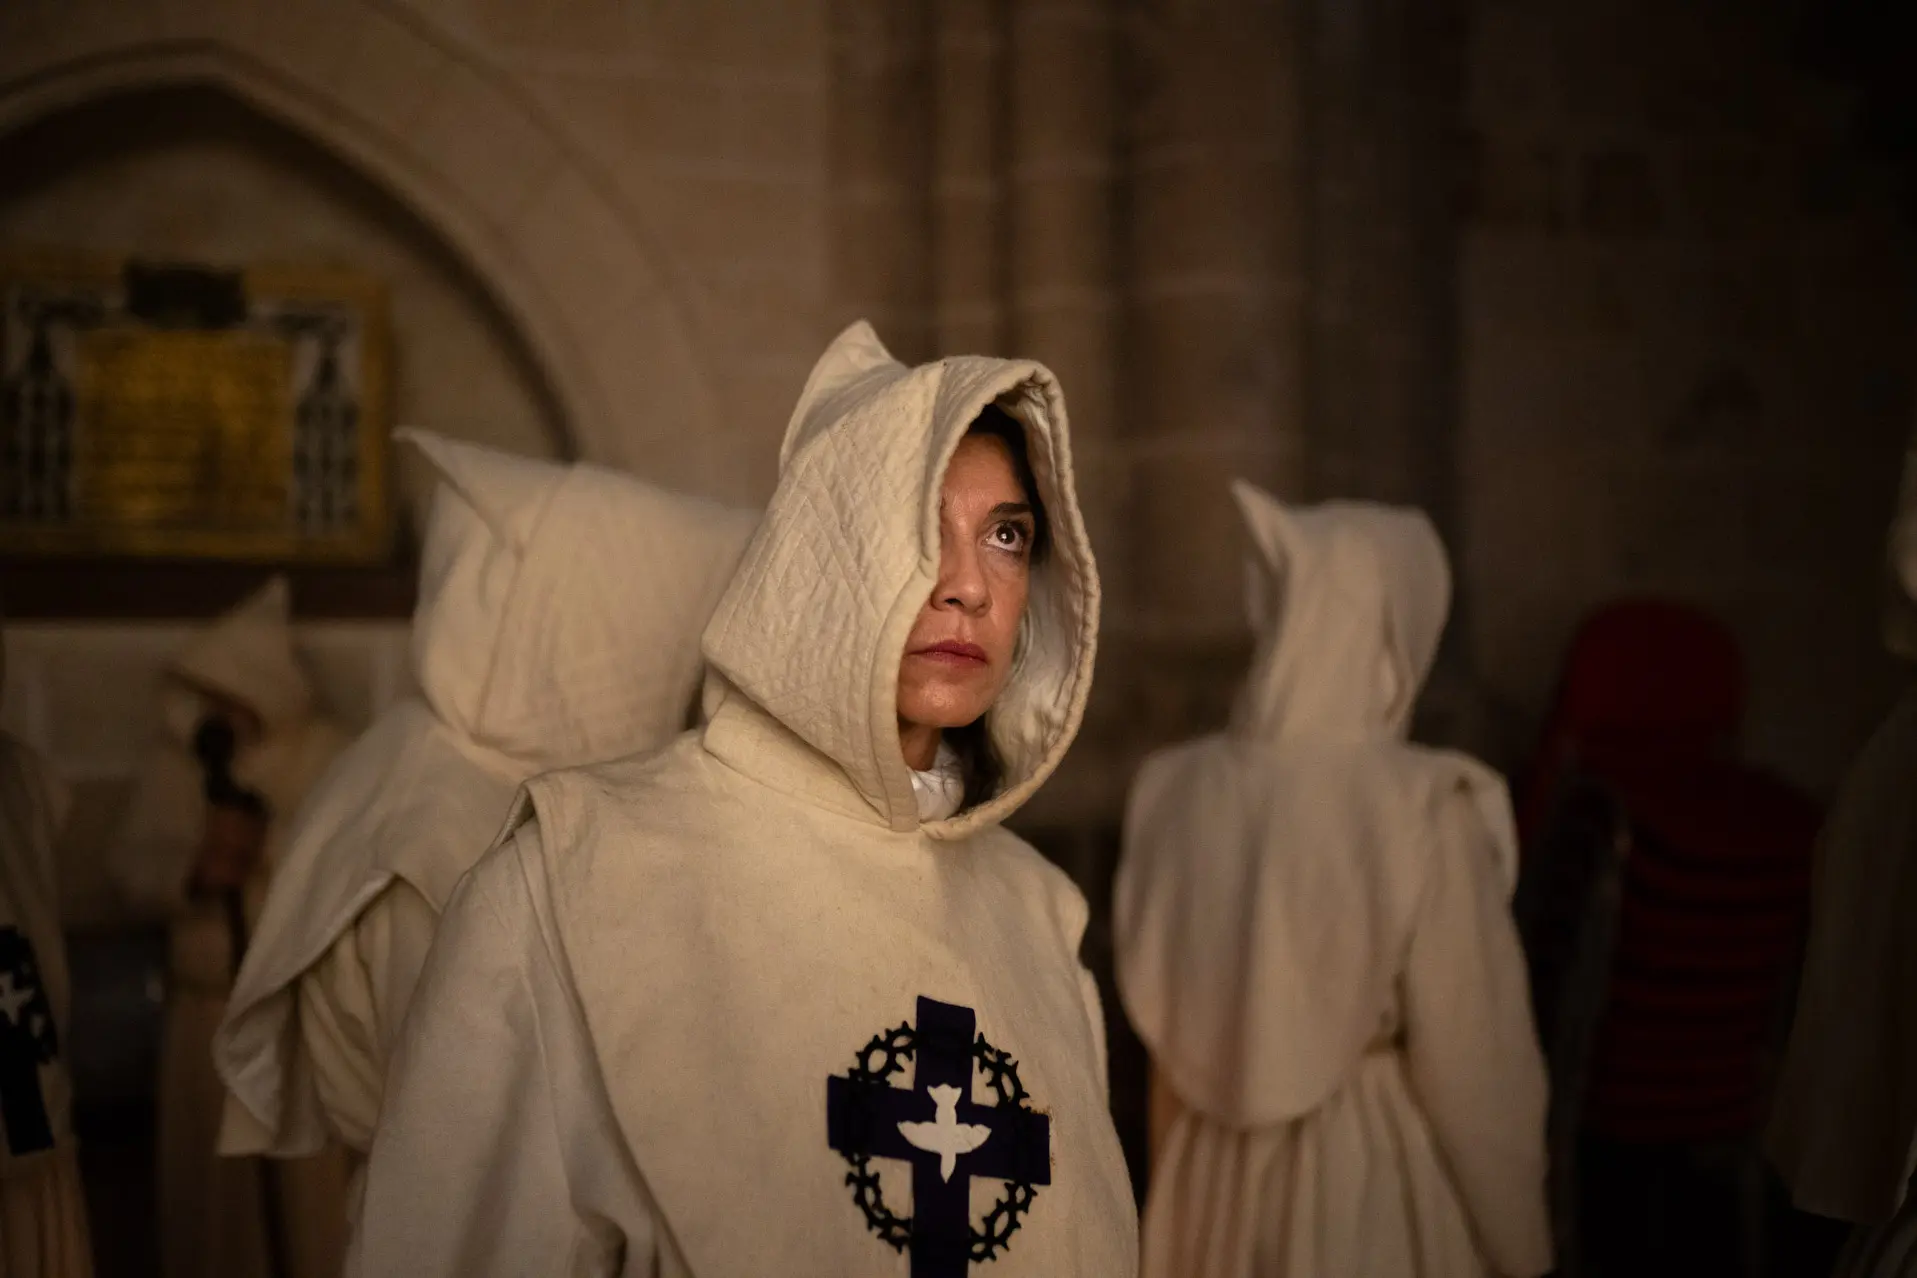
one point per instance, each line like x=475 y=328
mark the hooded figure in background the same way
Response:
x=43 y=1222
x=1843 y=1128
x=784 y=997
x=239 y=687
x=558 y=624
x=1314 y=941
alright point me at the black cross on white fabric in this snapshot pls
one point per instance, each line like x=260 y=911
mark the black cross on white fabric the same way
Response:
x=27 y=1041
x=947 y=1139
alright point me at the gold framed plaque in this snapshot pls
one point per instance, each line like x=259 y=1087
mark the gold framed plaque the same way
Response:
x=176 y=411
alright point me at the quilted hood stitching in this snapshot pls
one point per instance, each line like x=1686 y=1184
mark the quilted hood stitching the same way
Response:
x=813 y=626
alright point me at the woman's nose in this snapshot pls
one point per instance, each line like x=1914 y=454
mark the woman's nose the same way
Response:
x=962 y=582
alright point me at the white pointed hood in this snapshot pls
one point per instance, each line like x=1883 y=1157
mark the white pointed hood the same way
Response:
x=558 y=609
x=246 y=655
x=558 y=619
x=813 y=627
x=1271 y=873
x=1348 y=601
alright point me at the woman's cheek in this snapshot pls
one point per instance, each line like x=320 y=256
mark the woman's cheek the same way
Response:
x=1008 y=570
x=1014 y=591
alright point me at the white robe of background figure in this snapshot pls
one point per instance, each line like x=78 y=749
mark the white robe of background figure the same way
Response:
x=1843 y=1126
x=182 y=856
x=1313 y=938
x=43 y=1220
x=558 y=623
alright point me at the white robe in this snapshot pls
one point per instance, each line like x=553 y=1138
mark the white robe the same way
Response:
x=211 y=1219
x=351 y=1005
x=303 y=1047
x=1313 y=938
x=43 y=1220
x=1843 y=1125
x=638 y=1041
x=558 y=622
x=1844 y=1117
x=1383 y=1177
x=544 y=1184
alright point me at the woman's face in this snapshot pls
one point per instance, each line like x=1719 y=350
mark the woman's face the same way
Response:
x=959 y=653
x=246 y=725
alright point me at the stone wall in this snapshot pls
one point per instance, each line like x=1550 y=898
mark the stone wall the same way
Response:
x=1687 y=328
x=639 y=186
x=191 y=174
x=1109 y=188
x=601 y=226
x=1663 y=351
x=672 y=206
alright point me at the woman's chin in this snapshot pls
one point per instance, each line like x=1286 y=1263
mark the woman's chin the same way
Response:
x=942 y=707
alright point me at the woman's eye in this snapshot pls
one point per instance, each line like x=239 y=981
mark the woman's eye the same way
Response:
x=1010 y=537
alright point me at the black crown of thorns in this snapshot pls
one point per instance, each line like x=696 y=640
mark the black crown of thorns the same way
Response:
x=885 y=1055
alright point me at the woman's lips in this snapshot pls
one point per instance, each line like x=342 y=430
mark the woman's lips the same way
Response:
x=952 y=652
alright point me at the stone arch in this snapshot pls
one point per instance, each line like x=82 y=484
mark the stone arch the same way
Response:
x=458 y=145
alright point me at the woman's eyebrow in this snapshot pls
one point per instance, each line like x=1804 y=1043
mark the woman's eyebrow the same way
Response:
x=1007 y=509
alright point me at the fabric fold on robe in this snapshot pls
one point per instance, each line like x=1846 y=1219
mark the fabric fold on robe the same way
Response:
x=1314 y=942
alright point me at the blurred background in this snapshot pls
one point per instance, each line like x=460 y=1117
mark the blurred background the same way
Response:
x=1621 y=291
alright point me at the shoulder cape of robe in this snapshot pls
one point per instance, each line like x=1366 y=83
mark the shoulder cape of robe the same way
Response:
x=1267 y=899
x=408 y=801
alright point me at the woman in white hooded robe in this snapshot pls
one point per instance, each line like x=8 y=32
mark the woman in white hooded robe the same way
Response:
x=557 y=624
x=765 y=1001
x=43 y=1219
x=1314 y=942
x=211 y=1215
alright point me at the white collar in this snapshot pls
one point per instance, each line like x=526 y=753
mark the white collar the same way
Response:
x=940 y=789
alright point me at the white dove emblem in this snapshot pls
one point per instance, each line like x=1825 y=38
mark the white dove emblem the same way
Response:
x=945 y=1135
